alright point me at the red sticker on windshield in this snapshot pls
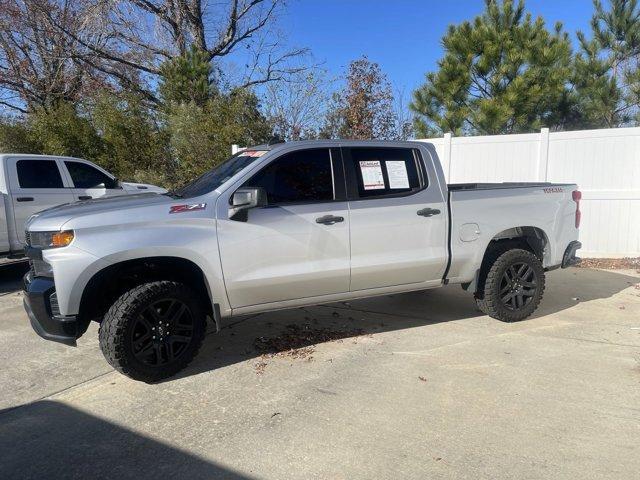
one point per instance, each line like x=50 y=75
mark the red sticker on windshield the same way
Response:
x=253 y=153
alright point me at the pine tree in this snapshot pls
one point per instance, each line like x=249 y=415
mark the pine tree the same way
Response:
x=606 y=75
x=501 y=73
x=187 y=78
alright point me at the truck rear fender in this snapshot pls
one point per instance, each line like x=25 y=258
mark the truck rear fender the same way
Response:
x=533 y=239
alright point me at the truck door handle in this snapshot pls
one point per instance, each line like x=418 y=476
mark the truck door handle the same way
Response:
x=329 y=219
x=24 y=199
x=85 y=197
x=428 y=212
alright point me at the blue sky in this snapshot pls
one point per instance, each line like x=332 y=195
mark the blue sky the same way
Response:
x=402 y=36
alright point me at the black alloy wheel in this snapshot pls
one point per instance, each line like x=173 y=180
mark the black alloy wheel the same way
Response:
x=162 y=332
x=518 y=286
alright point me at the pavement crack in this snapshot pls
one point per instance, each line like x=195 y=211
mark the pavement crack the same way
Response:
x=413 y=317
x=76 y=385
x=228 y=326
x=52 y=394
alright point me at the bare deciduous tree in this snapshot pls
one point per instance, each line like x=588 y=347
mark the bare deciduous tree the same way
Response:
x=140 y=35
x=404 y=120
x=37 y=64
x=296 y=109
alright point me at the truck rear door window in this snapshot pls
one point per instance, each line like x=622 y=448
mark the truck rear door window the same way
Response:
x=381 y=172
x=38 y=174
x=303 y=176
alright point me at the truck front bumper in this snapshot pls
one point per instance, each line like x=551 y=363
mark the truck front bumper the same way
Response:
x=37 y=303
x=569 y=259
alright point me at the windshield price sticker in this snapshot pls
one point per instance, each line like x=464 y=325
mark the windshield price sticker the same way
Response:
x=397 y=172
x=372 y=178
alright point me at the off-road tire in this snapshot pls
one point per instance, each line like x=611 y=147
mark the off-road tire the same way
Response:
x=115 y=334
x=488 y=297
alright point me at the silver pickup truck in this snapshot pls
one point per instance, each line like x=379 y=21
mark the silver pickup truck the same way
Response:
x=30 y=183
x=282 y=226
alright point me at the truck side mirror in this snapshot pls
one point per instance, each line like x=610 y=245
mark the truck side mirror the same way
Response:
x=243 y=200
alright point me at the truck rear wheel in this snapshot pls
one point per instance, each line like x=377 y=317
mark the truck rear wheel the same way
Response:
x=153 y=331
x=513 y=285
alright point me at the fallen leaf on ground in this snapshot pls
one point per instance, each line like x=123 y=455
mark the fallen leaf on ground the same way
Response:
x=611 y=263
x=299 y=343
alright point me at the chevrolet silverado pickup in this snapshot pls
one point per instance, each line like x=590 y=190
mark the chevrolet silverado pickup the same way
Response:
x=30 y=183
x=282 y=226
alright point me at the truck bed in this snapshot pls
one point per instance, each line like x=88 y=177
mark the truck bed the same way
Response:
x=480 y=212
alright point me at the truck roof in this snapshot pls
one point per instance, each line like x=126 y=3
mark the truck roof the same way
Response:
x=335 y=143
x=36 y=155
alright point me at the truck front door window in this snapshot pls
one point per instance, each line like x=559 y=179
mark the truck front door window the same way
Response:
x=303 y=176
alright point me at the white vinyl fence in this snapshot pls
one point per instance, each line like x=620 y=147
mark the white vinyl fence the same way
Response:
x=604 y=163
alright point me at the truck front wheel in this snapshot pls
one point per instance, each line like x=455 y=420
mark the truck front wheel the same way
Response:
x=153 y=331
x=513 y=285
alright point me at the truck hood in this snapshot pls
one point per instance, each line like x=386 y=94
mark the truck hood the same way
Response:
x=102 y=211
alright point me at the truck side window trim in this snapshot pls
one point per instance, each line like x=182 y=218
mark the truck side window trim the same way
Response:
x=422 y=171
x=337 y=178
x=352 y=176
x=333 y=176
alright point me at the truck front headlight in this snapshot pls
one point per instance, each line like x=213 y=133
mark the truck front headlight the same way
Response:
x=55 y=239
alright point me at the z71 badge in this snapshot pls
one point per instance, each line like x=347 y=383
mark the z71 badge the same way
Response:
x=187 y=208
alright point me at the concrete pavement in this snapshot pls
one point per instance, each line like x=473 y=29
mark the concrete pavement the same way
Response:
x=414 y=386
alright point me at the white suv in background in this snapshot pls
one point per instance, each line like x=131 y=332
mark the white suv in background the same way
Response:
x=31 y=183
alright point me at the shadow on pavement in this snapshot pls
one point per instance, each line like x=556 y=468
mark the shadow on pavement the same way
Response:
x=49 y=440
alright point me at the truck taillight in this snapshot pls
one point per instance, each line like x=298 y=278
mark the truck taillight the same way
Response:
x=577 y=196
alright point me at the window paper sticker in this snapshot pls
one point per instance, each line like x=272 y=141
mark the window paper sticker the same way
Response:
x=372 y=175
x=397 y=172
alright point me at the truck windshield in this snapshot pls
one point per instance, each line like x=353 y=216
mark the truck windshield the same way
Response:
x=219 y=174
